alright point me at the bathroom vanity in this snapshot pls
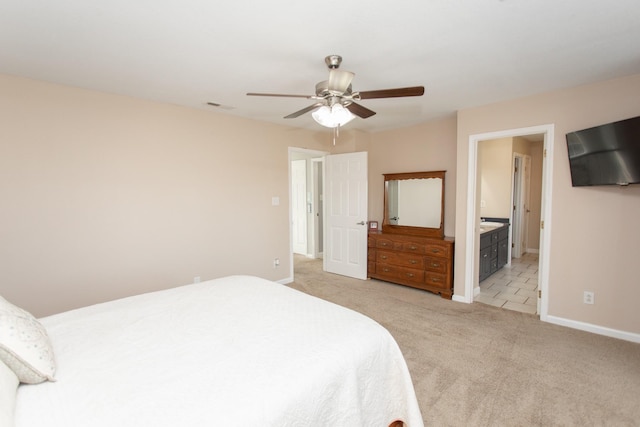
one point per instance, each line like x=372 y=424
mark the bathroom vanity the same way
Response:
x=411 y=249
x=494 y=245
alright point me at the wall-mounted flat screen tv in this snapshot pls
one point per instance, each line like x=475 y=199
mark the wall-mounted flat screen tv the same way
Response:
x=605 y=155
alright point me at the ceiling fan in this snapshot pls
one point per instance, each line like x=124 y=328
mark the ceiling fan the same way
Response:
x=335 y=99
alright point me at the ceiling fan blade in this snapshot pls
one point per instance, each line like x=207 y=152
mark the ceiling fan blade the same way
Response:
x=393 y=93
x=279 y=95
x=304 y=110
x=339 y=80
x=360 y=111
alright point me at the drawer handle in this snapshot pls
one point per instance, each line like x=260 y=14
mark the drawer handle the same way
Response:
x=435 y=264
x=435 y=279
x=435 y=251
x=409 y=274
x=386 y=270
x=383 y=243
x=413 y=248
x=413 y=261
x=383 y=256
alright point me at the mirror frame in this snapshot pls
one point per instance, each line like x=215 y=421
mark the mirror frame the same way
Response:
x=406 y=229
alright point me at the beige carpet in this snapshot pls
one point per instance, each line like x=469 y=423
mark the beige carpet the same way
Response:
x=477 y=365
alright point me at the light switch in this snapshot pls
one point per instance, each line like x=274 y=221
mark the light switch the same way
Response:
x=275 y=201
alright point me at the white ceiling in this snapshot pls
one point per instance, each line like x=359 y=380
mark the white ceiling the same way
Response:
x=189 y=52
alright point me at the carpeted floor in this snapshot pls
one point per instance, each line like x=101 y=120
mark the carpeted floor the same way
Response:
x=477 y=365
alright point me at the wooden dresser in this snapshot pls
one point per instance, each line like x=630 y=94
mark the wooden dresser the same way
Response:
x=416 y=261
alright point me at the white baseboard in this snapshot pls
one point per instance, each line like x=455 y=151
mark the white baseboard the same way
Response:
x=285 y=281
x=532 y=251
x=600 y=330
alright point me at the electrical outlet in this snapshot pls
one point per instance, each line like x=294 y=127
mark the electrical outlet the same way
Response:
x=588 y=297
x=196 y=279
x=276 y=262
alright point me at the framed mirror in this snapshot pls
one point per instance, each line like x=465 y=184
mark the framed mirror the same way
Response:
x=414 y=203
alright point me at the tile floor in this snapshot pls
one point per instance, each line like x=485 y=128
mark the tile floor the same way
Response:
x=513 y=287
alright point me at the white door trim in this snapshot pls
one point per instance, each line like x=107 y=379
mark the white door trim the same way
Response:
x=471 y=273
x=299 y=206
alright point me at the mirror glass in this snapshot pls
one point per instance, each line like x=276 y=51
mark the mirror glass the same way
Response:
x=415 y=202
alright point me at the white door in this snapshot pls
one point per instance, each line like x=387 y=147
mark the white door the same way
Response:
x=318 y=211
x=299 y=206
x=526 y=199
x=346 y=193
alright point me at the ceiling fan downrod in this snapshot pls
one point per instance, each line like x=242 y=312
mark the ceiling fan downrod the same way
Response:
x=333 y=61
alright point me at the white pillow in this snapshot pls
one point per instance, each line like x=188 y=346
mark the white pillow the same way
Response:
x=8 y=388
x=25 y=345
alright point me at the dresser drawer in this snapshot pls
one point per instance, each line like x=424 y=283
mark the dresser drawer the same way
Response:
x=400 y=274
x=388 y=244
x=400 y=259
x=438 y=265
x=414 y=248
x=437 y=280
x=434 y=249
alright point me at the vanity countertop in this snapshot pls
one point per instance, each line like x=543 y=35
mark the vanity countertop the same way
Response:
x=487 y=226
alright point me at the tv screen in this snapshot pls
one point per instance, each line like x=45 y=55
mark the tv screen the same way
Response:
x=605 y=155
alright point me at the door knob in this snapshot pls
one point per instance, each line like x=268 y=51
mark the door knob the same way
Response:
x=360 y=223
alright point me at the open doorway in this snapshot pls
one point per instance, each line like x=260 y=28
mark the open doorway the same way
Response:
x=306 y=193
x=508 y=262
x=475 y=202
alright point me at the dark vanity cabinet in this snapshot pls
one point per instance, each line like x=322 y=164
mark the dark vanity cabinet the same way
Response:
x=494 y=249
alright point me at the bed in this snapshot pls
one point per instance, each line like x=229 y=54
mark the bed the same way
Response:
x=236 y=351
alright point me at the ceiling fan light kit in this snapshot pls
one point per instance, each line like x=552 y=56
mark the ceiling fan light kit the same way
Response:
x=335 y=98
x=333 y=116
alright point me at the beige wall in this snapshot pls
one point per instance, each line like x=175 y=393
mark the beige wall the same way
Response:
x=426 y=147
x=105 y=196
x=494 y=167
x=594 y=231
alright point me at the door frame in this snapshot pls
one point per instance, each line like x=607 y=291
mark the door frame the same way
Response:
x=299 y=209
x=472 y=233
x=515 y=249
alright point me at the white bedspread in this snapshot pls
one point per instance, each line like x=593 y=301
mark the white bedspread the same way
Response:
x=238 y=351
